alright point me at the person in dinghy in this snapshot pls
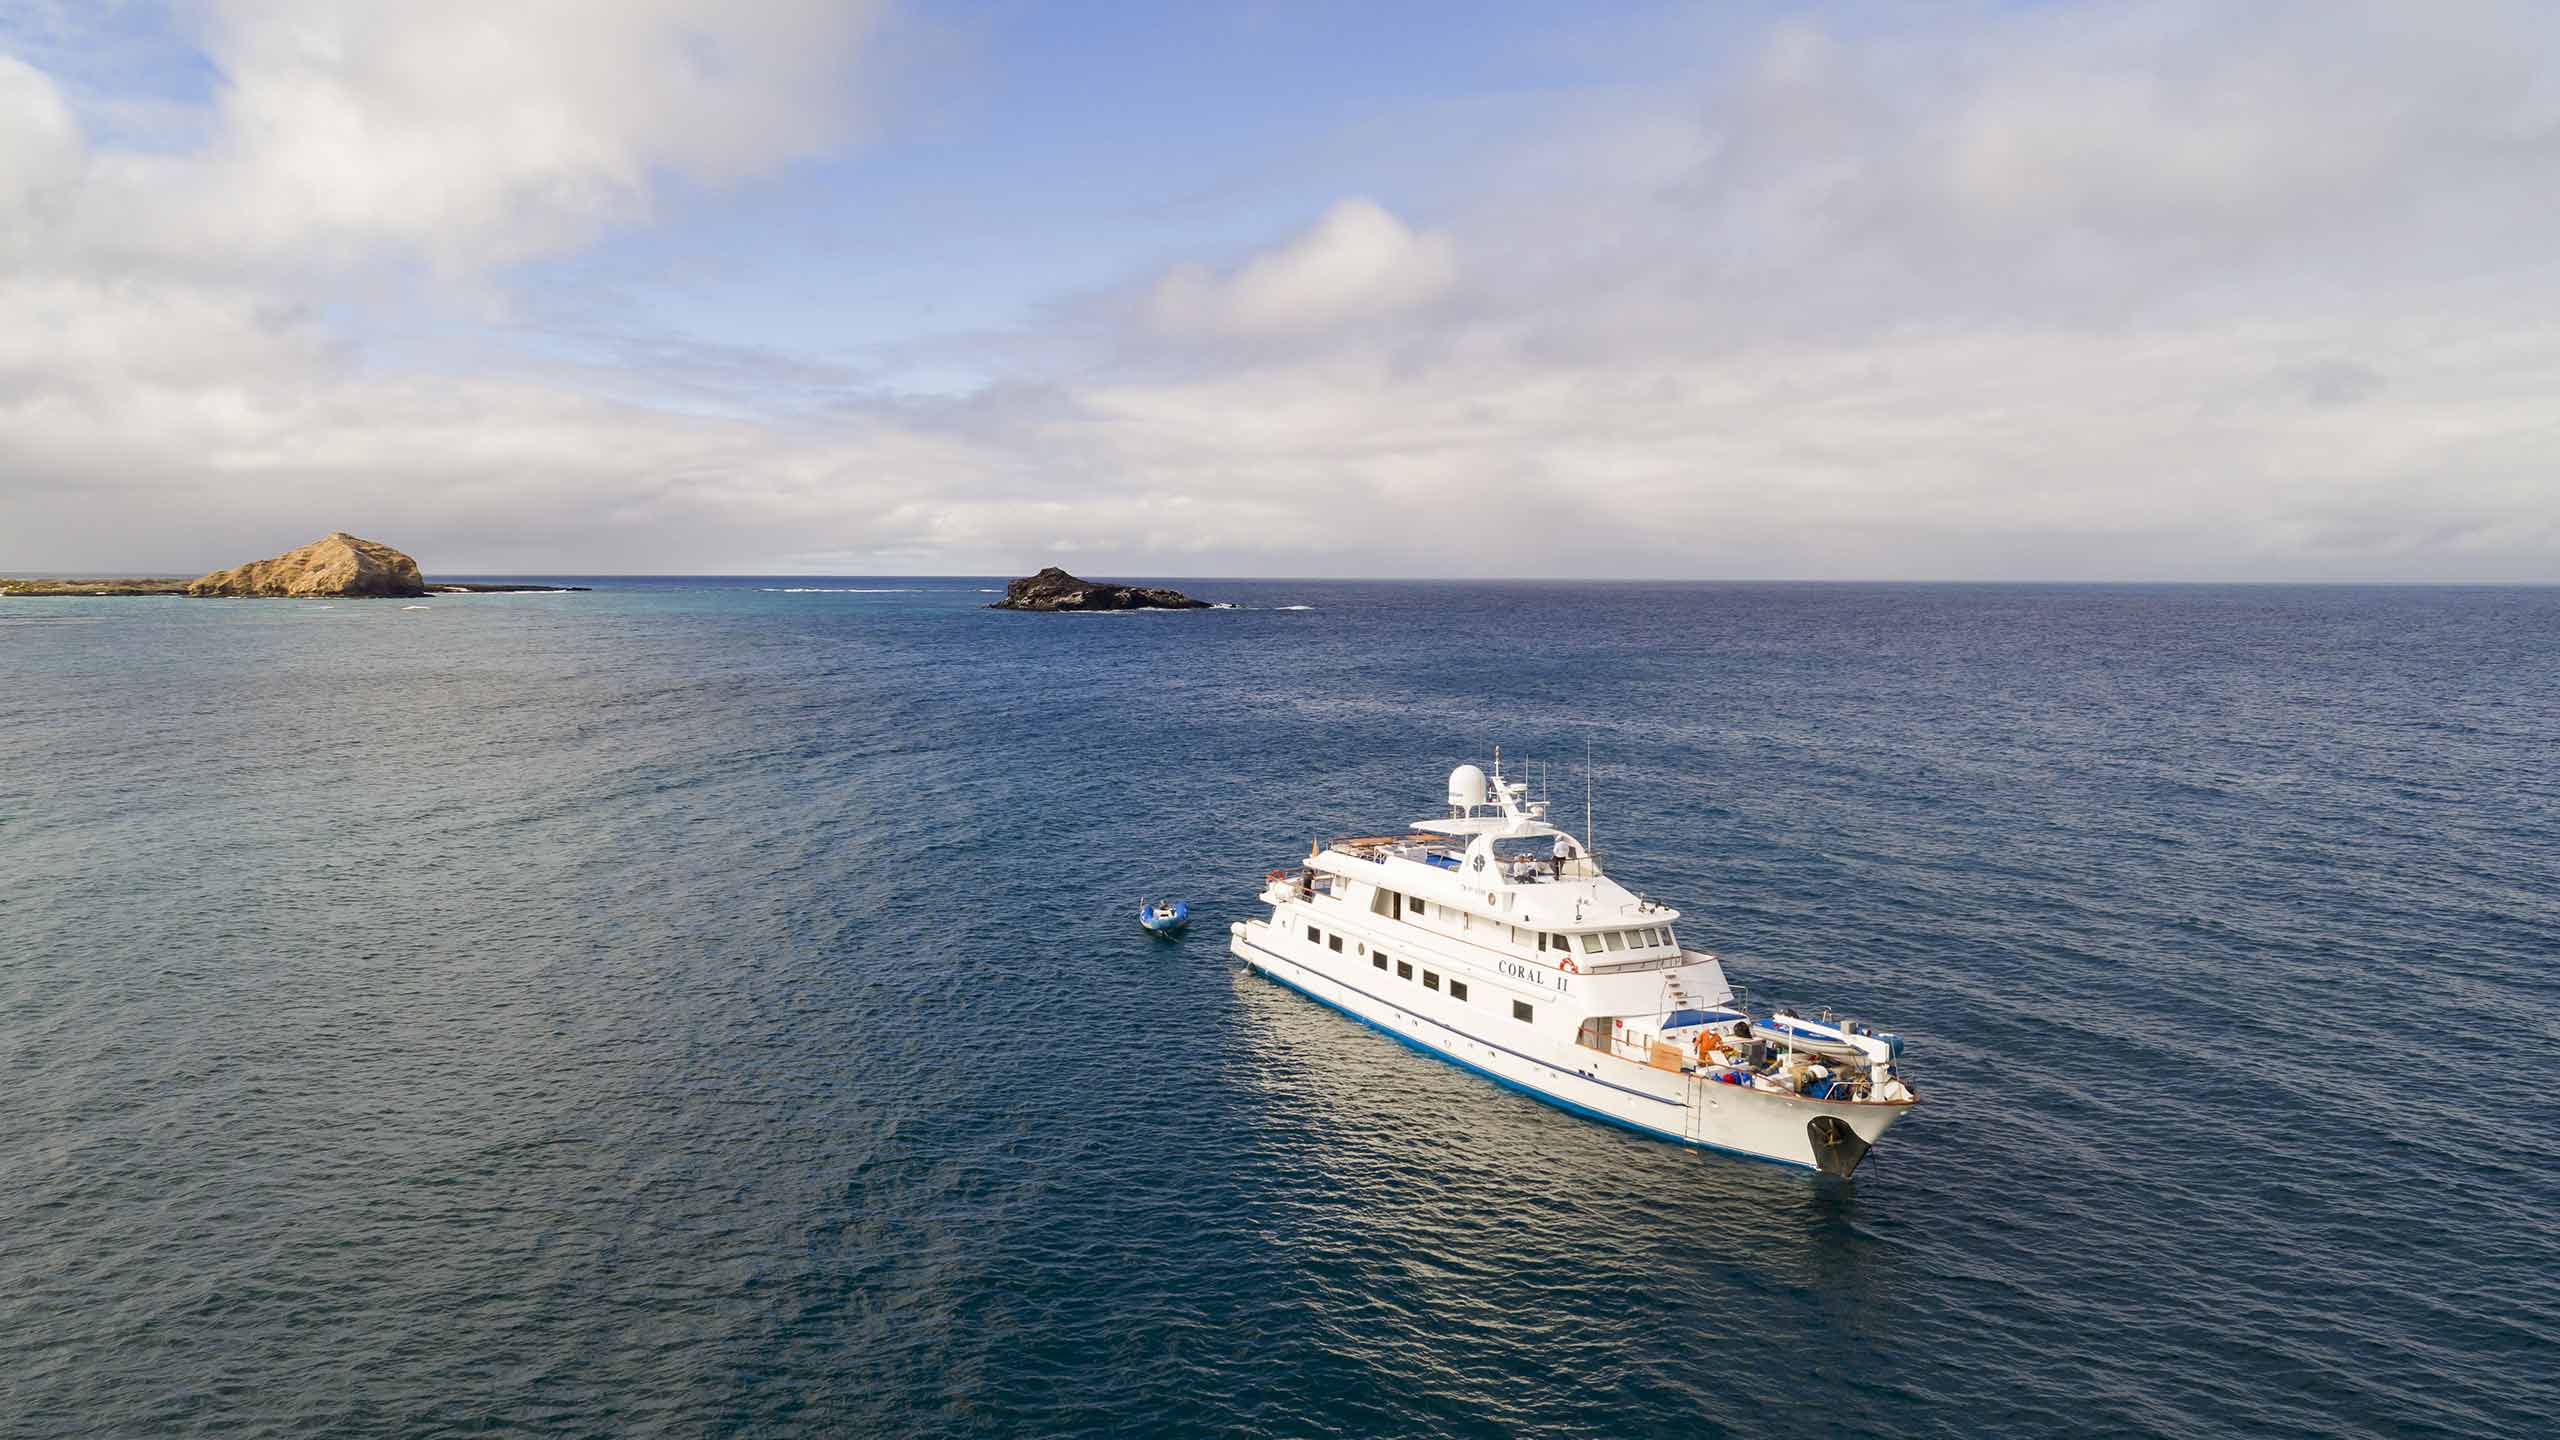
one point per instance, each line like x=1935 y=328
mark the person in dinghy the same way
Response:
x=1163 y=918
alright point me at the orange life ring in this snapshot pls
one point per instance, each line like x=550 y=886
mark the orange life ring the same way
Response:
x=1567 y=966
x=1275 y=875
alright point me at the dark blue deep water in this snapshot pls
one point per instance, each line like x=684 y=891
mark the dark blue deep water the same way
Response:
x=697 y=1009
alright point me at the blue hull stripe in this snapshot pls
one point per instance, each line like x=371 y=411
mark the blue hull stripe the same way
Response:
x=1505 y=1081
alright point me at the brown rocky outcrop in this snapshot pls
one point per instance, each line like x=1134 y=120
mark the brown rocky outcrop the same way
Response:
x=1055 y=589
x=336 y=564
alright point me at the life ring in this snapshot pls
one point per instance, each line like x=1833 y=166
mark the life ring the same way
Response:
x=1567 y=966
x=1275 y=875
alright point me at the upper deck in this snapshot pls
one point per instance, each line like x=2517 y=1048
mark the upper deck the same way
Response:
x=1509 y=880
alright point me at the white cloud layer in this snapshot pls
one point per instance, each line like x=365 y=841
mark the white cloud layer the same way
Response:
x=2164 y=290
x=470 y=133
x=1358 y=263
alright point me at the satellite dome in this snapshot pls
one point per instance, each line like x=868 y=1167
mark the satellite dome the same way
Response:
x=1466 y=787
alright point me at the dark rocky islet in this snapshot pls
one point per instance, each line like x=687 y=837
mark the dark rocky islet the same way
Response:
x=1055 y=589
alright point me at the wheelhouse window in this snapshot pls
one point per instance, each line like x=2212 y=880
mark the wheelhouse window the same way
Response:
x=1520 y=1010
x=1415 y=905
x=1542 y=940
x=1617 y=940
x=1590 y=944
x=1457 y=989
x=1430 y=979
x=1404 y=971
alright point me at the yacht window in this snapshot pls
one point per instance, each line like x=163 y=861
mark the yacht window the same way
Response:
x=1379 y=960
x=1430 y=979
x=1416 y=904
x=1668 y=938
x=1560 y=942
x=1457 y=989
x=1314 y=937
x=1520 y=1010
x=1617 y=940
x=1334 y=942
x=1590 y=944
x=1404 y=971
x=1542 y=940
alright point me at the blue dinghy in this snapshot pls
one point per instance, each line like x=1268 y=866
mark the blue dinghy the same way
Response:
x=1163 y=917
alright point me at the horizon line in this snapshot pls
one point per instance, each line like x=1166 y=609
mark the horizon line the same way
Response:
x=487 y=575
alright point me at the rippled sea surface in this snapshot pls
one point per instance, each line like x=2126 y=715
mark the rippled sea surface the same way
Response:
x=707 y=1008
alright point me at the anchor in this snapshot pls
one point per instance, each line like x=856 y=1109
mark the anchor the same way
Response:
x=1837 y=1149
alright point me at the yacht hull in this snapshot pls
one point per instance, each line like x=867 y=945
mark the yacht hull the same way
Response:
x=1677 y=1106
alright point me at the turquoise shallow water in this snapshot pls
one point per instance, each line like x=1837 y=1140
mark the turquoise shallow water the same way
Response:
x=700 y=1008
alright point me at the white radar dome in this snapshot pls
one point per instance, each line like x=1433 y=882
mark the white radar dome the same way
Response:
x=1467 y=787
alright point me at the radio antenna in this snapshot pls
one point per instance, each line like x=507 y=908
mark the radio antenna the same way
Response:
x=1586 y=791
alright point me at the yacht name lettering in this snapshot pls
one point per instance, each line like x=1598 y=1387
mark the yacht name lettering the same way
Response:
x=1518 y=971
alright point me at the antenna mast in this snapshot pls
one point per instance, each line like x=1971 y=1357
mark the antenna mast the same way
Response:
x=1586 y=792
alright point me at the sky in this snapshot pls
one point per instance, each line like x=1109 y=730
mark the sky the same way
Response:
x=2126 y=291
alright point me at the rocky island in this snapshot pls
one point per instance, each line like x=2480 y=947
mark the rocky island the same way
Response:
x=1055 y=589
x=336 y=565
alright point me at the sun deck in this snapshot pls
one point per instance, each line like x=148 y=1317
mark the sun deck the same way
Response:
x=1442 y=852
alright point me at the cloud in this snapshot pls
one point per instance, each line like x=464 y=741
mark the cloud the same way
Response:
x=40 y=154
x=1357 y=263
x=474 y=133
x=2165 y=290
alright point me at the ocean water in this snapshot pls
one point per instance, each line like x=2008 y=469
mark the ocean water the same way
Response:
x=713 y=1008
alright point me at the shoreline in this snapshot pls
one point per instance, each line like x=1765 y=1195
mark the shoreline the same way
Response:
x=16 y=589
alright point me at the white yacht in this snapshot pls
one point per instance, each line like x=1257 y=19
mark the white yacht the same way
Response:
x=1491 y=937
